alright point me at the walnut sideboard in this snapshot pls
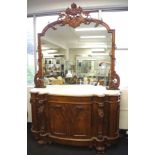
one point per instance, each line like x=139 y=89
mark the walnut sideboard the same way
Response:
x=80 y=115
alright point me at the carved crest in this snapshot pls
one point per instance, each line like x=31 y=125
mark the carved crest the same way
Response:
x=74 y=16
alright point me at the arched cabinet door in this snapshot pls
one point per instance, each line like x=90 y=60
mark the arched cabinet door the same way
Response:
x=80 y=121
x=58 y=119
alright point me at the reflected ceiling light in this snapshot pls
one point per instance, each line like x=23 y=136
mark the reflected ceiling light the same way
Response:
x=91 y=29
x=91 y=37
x=49 y=51
x=44 y=48
x=93 y=43
x=97 y=54
x=52 y=55
x=97 y=49
x=58 y=54
x=93 y=46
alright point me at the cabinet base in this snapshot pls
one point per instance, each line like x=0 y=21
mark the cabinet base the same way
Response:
x=92 y=143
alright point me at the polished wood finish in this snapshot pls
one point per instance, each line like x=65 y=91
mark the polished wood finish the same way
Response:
x=73 y=17
x=80 y=121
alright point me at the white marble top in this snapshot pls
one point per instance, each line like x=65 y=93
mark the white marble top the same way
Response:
x=76 y=90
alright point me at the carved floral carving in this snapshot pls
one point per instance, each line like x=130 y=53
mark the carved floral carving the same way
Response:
x=74 y=16
x=100 y=110
x=101 y=117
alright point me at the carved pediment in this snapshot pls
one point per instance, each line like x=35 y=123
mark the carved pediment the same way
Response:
x=74 y=16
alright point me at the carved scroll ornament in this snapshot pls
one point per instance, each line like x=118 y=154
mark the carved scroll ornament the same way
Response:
x=74 y=16
x=115 y=81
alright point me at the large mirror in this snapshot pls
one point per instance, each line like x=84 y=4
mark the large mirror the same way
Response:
x=76 y=49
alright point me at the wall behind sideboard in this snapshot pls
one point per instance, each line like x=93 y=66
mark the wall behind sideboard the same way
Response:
x=123 y=121
x=29 y=118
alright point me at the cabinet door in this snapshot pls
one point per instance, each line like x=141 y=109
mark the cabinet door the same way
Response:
x=58 y=119
x=80 y=121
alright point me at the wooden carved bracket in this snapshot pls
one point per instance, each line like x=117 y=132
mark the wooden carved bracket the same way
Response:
x=39 y=82
x=115 y=81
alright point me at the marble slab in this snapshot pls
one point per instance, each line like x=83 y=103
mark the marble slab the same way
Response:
x=76 y=90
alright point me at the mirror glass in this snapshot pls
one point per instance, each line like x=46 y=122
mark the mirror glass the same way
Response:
x=77 y=55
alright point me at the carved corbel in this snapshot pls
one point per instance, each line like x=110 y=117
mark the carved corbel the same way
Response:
x=115 y=81
x=39 y=82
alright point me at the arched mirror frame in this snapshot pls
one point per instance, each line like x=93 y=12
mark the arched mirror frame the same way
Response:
x=75 y=16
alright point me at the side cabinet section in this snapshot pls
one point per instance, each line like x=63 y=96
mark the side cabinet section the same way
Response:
x=33 y=101
x=113 y=107
x=38 y=104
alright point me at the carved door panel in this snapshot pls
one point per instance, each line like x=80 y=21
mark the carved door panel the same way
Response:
x=58 y=119
x=80 y=121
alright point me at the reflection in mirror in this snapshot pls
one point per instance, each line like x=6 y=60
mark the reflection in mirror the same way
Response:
x=79 y=55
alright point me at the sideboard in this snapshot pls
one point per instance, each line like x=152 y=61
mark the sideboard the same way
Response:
x=73 y=116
